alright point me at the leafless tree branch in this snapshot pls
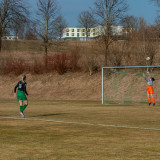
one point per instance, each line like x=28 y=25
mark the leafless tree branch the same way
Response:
x=11 y=12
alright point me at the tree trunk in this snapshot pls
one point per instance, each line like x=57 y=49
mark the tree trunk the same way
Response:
x=46 y=54
x=1 y=39
x=106 y=48
x=46 y=49
x=0 y=43
x=46 y=62
x=60 y=37
x=106 y=55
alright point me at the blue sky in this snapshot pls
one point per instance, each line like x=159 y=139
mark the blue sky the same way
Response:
x=70 y=9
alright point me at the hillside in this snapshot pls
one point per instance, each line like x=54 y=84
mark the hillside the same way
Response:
x=75 y=83
x=70 y=86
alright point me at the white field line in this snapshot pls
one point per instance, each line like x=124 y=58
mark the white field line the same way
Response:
x=81 y=123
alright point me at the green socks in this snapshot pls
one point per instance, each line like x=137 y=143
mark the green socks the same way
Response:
x=22 y=108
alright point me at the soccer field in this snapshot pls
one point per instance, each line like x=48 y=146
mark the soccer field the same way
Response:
x=79 y=130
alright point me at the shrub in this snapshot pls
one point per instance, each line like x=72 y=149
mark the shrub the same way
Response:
x=73 y=62
x=58 y=63
x=63 y=62
x=90 y=63
x=15 y=66
x=37 y=67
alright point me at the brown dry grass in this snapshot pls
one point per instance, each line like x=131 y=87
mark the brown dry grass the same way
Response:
x=121 y=52
x=33 y=46
x=70 y=86
x=30 y=139
x=32 y=53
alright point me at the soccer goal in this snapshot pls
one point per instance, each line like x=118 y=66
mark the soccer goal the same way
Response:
x=126 y=84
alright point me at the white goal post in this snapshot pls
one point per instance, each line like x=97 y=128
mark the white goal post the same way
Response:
x=126 y=84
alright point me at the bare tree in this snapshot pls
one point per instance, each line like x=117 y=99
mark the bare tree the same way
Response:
x=157 y=20
x=30 y=33
x=157 y=25
x=11 y=12
x=156 y=1
x=59 y=26
x=18 y=27
x=142 y=30
x=130 y=22
x=86 y=19
x=47 y=14
x=109 y=12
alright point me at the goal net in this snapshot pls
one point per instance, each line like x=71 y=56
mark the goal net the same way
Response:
x=126 y=84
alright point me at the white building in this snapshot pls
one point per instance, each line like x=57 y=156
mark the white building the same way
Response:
x=117 y=30
x=75 y=33
x=9 y=37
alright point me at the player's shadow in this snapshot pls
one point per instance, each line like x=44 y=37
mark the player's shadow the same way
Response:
x=50 y=114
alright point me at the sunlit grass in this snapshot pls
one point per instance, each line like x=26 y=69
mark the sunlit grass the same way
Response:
x=35 y=138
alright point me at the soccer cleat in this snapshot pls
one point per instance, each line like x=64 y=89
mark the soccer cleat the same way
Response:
x=22 y=114
x=149 y=104
x=154 y=104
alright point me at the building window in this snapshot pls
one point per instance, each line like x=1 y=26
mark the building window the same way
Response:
x=67 y=34
x=77 y=30
x=77 y=34
x=72 y=30
x=83 y=34
x=72 y=34
x=89 y=34
x=83 y=30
